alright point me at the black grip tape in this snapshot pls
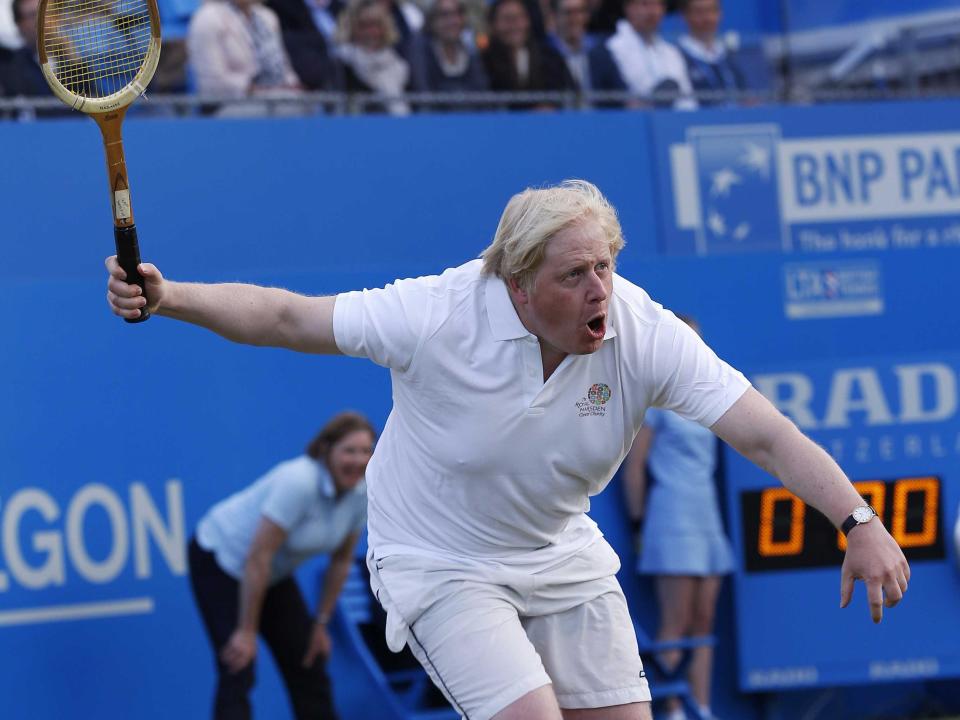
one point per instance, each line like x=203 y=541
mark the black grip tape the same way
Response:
x=128 y=255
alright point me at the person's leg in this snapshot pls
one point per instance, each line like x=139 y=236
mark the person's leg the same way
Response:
x=590 y=652
x=676 y=601
x=704 y=612
x=539 y=704
x=286 y=625
x=633 y=711
x=470 y=641
x=462 y=624
x=217 y=598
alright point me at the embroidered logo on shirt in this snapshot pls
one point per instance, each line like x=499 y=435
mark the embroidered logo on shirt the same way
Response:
x=594 y=402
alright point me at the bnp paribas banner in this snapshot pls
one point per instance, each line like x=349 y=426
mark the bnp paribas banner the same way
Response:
x=829 y=180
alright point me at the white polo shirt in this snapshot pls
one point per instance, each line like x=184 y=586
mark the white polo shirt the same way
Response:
x=480 y=459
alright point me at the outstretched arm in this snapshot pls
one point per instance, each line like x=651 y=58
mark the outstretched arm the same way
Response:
x=333 y=580
x=241 y=648
x=759 y=432
x=247 y=314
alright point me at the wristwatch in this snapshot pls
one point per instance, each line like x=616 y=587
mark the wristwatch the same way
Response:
x=859 y=516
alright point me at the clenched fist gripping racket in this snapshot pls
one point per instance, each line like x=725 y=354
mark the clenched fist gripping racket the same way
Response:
x=98 y=56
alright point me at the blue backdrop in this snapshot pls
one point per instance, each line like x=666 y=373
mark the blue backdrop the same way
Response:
x=115 y=439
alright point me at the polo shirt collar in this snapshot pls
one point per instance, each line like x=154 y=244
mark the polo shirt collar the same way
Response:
x=505 y=323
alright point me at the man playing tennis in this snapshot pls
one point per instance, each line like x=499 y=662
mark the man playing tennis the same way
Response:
x=519 y=383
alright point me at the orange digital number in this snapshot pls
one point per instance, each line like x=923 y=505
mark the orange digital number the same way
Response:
x=928 y=532
x=768 y=504
x=875 y=493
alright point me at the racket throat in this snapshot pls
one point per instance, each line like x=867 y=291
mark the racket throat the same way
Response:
x=110 y=129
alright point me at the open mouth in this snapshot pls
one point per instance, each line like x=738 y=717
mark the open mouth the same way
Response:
x=597 y=326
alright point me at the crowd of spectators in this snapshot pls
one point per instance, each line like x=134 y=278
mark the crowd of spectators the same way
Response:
x=382 y=50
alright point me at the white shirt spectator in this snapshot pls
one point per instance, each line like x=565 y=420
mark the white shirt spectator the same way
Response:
x=9 y=35
x=480 y=459
x=299 y=496
x=232 y=54
x=643 y=66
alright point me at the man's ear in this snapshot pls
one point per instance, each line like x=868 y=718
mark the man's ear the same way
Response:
x=517 y=292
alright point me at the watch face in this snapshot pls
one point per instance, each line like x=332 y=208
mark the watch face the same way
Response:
x=862 y=514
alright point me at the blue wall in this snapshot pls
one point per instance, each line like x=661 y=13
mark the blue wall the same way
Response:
x=112 y=431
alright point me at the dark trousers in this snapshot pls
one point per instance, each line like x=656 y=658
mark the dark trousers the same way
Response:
x=285 y=624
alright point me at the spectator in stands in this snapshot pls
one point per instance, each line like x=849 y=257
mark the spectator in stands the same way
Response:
x=540 y=14
x=649 y=65
x=443 y=62
x=682 y=543
x=367 y=53
x=713 y=68
x=572 y=41
x=20 y=73
x=516 y=61
x=603 y=17
x=409 y=21
x=246 y=549
x=236 y=50
x=307 y=27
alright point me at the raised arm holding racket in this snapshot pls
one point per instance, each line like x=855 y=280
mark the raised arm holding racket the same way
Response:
x=98 y=57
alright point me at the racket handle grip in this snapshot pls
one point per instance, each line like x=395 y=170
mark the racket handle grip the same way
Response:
x=128 y=255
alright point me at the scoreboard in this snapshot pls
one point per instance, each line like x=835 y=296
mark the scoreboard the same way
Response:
x=781 y=533
x=894 y=427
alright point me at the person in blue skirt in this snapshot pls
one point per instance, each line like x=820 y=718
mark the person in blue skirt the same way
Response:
x=672 y=498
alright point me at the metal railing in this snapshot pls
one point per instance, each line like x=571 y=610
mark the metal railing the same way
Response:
x=339 y=104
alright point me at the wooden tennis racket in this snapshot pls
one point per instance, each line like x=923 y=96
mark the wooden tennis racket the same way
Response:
x=98 y=57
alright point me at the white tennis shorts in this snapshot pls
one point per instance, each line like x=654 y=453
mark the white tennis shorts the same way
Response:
x=488 y=635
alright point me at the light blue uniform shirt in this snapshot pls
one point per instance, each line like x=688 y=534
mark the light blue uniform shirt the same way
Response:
x=299 y=496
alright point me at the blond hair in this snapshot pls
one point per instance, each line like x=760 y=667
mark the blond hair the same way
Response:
x=534 y=216
x=347 y=21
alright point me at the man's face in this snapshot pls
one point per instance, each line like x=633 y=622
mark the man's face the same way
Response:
x=703 y=18
x=566 y=304
x=511 y=26
x=572 y=17
x=27 y=24
x=644 y=15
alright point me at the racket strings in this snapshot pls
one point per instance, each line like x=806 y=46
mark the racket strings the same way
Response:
x=97 y=46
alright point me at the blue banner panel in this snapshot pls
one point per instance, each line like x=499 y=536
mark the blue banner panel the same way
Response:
x=115 y=439
x=893 y=424
x=805 y=15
